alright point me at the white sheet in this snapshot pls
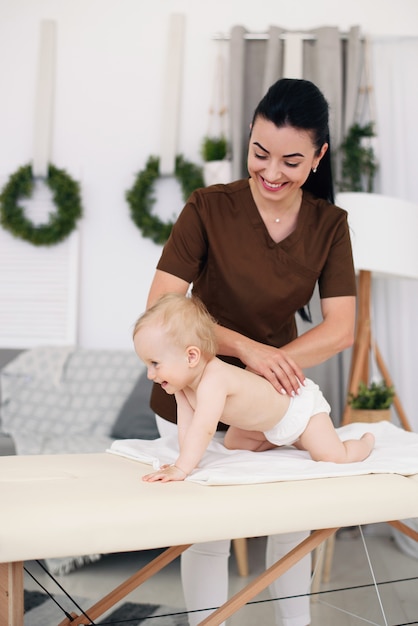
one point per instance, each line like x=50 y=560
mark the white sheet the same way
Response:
x=396 y=452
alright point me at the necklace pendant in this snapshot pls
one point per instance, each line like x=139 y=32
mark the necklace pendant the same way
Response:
x=277 y=220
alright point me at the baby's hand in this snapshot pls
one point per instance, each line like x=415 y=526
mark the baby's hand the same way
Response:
x=165 y=474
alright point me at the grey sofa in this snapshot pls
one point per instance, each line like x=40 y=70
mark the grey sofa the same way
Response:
x=7 y=446
x=56 y=400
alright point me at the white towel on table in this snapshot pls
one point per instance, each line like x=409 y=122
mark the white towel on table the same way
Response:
x=395 y=452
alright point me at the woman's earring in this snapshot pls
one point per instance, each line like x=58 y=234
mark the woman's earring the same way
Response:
x=314 y=169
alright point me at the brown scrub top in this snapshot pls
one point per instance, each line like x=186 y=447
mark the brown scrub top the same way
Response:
x=248 y=282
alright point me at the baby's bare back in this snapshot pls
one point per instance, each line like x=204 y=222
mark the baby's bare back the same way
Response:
x=252 y=402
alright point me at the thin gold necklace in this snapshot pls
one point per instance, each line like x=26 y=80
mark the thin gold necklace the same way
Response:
x=278 y=219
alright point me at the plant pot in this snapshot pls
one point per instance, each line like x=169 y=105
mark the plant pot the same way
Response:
x=217 y=172
x=369 y=415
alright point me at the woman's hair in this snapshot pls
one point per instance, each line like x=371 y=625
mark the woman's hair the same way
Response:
x=185 y=319
x=300 y=104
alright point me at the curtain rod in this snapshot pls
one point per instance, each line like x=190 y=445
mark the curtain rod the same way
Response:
x=263 y=36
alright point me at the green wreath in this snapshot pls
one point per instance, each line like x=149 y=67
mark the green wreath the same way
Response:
x=141 y=199
x=66 y=195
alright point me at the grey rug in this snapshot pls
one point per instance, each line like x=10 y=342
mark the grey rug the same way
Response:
x=40 y=610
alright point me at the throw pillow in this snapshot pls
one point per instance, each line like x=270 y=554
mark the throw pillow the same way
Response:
x=136 y=420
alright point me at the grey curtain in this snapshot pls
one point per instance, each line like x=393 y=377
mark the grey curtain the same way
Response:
x=333 y=61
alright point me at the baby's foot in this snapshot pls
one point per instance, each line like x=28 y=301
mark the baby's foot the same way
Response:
x=368 y=439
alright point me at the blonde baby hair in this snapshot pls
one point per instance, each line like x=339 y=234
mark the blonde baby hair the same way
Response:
x=185 y=319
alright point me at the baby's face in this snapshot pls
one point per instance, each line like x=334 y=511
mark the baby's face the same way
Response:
x=167 y=364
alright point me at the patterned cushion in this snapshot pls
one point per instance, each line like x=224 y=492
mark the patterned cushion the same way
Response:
x=57 y=393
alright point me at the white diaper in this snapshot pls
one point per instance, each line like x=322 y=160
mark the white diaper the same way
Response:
x=301 y=408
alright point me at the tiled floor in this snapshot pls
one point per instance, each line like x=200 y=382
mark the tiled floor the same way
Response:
x=343 y=608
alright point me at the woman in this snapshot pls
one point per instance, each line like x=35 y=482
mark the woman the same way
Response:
x=254 y=251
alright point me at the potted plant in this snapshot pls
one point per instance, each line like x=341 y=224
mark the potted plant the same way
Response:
x=371 y=403
x=359 y=163
x=217 y=166
x=214 y=148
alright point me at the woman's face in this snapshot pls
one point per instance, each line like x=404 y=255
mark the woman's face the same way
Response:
x=280 y=159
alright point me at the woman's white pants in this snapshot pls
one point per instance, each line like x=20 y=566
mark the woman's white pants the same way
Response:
x=204 y=573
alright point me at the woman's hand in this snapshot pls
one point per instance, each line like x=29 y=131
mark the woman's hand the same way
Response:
x=165 y=474
x=283 y=366
x=276 y=366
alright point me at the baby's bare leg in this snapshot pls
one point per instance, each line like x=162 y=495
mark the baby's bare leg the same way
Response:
x=240 y=439
x=321 y=440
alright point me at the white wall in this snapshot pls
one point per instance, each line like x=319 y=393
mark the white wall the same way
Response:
x=110 y=77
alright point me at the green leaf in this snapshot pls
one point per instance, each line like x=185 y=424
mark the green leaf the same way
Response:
x=373 y=397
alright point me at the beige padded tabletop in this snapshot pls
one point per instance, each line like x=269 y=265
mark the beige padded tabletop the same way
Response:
x=59 y=505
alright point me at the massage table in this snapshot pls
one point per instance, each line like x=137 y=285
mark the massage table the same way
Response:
x=59 y=505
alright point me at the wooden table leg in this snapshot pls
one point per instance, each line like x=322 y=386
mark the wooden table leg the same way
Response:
x=125 y=588
x=11 y=594
x=241 y=555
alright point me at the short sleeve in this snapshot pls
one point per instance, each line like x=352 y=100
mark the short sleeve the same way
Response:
x=338 y=275
x=185 y=251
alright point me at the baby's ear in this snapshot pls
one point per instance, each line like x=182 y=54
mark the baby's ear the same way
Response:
x=193 y=355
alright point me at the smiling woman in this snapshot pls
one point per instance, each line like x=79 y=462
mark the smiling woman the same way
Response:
x=253 y=278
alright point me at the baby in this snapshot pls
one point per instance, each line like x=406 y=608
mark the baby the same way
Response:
x=176 y=339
